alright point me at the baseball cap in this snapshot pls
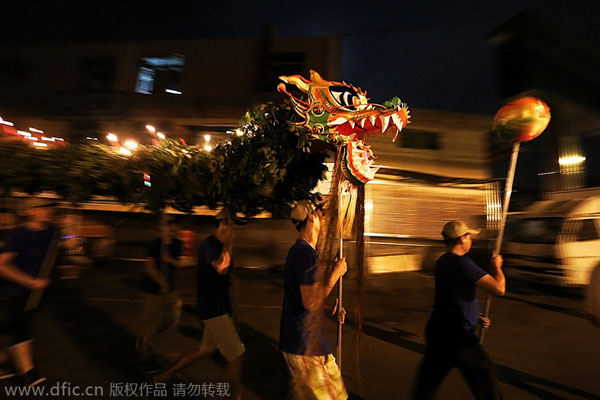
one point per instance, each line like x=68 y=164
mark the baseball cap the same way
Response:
x=456 y=228
x=303 y=209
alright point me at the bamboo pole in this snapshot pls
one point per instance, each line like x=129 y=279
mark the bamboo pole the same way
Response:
x=507 y=193
x=340 y=282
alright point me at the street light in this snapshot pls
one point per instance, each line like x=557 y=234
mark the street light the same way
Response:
x=571 y=160
x=131 y=145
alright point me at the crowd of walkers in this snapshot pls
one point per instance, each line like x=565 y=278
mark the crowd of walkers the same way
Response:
x=28 y=252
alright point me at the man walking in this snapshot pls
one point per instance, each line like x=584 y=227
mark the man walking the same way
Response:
x=450 y=331
x=213 y=305
x=21 y=262
x=161 y=306
x=304 y=344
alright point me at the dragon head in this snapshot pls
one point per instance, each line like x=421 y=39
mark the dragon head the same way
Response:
x=338 y=112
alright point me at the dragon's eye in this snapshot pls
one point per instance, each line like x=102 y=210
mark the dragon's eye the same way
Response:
x=345 y=96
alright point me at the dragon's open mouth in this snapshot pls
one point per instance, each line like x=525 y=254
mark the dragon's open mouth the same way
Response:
x=340 y=113
x=376 y=121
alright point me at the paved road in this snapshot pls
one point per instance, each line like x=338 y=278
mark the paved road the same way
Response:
x=542 y=343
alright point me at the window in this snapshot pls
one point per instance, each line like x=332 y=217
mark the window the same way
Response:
x=160 y=75
x=414 y=139
x=588 y=231
x=543 y=230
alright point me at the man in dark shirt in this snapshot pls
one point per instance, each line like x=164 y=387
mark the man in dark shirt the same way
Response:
x=303 y=343
x=21 y=260
x=161 y=306
x=450 y=331
x=213 y=305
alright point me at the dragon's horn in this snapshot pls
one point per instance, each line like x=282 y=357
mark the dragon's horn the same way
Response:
x=296 y=80
x=315 y=76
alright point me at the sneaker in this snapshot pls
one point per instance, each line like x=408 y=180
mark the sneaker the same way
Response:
x=32 y=378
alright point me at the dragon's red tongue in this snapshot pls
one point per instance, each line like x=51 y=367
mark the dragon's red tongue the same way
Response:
x=367 y=126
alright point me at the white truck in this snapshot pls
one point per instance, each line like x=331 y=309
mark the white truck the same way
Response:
x=556 y=241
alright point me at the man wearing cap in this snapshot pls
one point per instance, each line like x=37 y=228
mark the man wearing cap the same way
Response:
x=213 y=305
x=304 y=346
x=450 y=331
x=21 y=261
x=161 y=307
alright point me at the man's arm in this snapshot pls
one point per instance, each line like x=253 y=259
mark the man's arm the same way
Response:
x=494 y=282
x=314 y=295
x=221 y=263
x=10 y=272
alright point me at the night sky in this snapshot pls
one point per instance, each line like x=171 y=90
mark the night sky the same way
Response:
x=431 y=54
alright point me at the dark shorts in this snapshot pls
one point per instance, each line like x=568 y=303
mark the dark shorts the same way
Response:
x=15 y=323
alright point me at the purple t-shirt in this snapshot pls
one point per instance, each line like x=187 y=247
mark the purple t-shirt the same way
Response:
x=300 y=269
x=455 y=306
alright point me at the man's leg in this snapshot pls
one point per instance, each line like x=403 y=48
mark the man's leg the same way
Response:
x=172 y=310
x=433 y=369
x=21 y=350
x=22 y=356
x=8 y=324
x=206 y=347
x=315 y=377
x=183 y=362
x=234 y=371
x=299 y=372
x=150 y=322
x=477 y=368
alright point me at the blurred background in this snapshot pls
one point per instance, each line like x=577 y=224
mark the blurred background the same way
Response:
x=78 y=72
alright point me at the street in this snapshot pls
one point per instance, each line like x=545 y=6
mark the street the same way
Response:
x=542 y=343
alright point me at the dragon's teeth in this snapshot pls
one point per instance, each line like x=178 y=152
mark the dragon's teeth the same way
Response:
x=373 y=119
x=396 y=135
x=385 y=121
x=396 y=119
x=338 y=121
x=352 y=123
x=362 y=123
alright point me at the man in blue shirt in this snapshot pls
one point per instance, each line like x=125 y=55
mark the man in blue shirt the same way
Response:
x=161 y=306
x=302 y=340
x=21 y=261
x=213 y=305
x=450 y=331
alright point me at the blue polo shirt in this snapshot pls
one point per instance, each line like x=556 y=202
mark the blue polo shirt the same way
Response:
x=300 y=269
x=455 y=307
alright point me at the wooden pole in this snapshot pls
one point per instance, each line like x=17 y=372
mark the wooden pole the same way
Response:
x=340 y=282
x=507 y=193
